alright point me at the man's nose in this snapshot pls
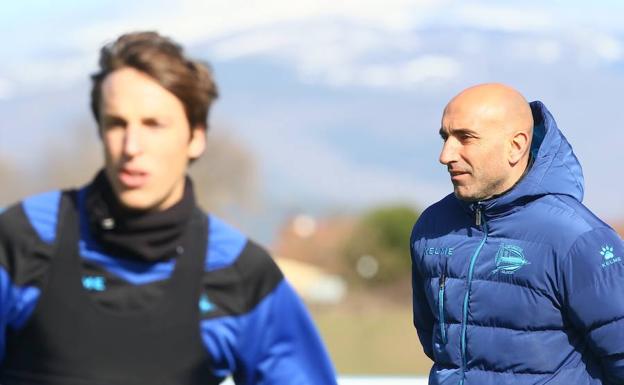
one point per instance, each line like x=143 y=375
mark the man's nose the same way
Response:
x=132 y=141
x=449 y=152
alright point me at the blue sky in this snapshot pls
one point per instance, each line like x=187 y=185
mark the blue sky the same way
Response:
x=339 y=101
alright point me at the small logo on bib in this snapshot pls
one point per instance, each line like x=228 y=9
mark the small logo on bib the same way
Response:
x=205 y=306
x=94 y=283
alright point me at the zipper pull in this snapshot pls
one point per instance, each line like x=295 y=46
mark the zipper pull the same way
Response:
x=442 y=281
x=478 y=215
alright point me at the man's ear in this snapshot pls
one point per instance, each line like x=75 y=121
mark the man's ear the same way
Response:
x=519 y=145
x=197 y=144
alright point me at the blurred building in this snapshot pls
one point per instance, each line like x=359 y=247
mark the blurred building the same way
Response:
x=309 y=252
x=316 y=241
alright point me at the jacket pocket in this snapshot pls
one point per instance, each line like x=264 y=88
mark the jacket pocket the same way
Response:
x=441 y=317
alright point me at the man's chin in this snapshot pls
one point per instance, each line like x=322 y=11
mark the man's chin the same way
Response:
x=464 y=195
x=136 y=200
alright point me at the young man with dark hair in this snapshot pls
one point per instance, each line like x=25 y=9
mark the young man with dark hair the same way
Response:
x=126 y=281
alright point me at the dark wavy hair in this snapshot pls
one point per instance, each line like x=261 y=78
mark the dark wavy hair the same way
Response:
x=164 y=61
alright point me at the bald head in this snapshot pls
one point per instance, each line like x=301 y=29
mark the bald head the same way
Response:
x=487 y=130
x=494 y=102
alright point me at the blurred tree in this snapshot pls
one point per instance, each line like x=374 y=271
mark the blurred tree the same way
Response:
x=225 y=176
x=70 y=161
x=378 y=250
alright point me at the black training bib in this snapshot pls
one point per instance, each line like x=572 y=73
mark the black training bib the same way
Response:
x=71 y=340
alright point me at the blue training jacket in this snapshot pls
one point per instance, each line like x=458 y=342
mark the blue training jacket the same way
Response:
x=524 y=288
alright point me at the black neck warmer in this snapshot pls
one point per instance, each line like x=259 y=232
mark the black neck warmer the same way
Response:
x=149 y=236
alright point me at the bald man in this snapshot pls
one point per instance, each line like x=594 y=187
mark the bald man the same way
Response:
x=514 y=280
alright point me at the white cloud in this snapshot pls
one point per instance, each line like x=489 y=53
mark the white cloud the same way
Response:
x=6 y=89
x=594 y=47
x=53 y=73
x=431 y=67
x=252 y=44
x=325 y=41
x=343 y=43
x=393 y=74
x=343 y=55
x=548 y=51
x=199 y=20
x=221 y=18
x=397 y=74
x=509 y=17
x=543 y=50
x=607 y=47
x=471 y=43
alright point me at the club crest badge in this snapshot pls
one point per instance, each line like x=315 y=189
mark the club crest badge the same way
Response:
x=509 y=259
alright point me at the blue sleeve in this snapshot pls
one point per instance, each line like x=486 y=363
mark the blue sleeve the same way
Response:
x=17 y=299
x=423 y=319
x=16 y=306
x=6 y=294
x=593 y=279
x=279 y=344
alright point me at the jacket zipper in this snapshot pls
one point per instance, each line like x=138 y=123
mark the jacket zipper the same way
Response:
x=479 y=221
x=441 y=308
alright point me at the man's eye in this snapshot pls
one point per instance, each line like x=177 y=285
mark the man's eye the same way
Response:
x=153 y=123
x=113 y=123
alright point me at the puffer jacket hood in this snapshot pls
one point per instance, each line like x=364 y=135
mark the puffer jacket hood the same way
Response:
x=555 y=169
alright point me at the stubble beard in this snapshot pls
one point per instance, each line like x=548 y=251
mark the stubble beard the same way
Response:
x=487 y=190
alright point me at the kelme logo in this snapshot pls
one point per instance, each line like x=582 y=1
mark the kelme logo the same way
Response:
x=439 y=251
x=94 y=283
x=509 y=259
x=608 y=257
x=205 y=306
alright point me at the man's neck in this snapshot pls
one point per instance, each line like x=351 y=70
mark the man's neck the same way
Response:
x=528 y=164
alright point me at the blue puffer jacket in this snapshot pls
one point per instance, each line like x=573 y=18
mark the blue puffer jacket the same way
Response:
x=524 y=288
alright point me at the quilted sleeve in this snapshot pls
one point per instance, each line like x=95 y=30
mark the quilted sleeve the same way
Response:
x=593 y=286
x=423 y=319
